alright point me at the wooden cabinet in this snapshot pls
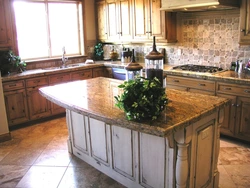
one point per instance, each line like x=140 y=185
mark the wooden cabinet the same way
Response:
x=149 y=21
x=58 y=79
x=191 y=85
x=98 y=72
x=101 y=20
x=6 y=31
x=15 y=102
x=119 y=26
x=135 y=21
x=245 y=22
x=82 y=75
x=39 y=106
x=237 y=115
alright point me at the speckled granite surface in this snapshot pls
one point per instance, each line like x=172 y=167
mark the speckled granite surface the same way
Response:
x=46 y=71
x=95 y=97
x=225 y=76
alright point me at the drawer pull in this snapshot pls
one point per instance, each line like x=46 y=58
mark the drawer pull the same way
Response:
x=227 y=88
x=176 y=81
x=202 y=84
x=247 y=91
x=12 y=85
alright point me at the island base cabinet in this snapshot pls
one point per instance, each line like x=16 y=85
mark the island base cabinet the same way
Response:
x=186 y=158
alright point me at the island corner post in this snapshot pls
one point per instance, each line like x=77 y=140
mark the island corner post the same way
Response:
x=180 y=149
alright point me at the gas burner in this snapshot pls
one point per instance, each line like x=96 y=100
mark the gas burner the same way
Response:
x=198 y=68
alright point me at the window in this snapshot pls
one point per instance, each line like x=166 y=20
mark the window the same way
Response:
x=44 y=28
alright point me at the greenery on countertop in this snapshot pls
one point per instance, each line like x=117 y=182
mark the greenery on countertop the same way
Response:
x=142 y=99
x=10 y=62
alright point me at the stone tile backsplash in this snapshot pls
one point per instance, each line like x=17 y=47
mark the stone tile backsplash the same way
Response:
x=204 y=38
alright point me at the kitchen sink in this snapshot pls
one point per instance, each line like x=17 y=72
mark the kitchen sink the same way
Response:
x=66 y=67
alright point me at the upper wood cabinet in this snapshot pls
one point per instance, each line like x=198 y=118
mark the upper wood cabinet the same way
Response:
x=148 y=19
x=101 y=20
x=119 y=20
x=134 y=21
x=5 y=24
x=245 y=22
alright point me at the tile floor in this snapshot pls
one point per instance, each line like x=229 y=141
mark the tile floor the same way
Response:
x=37 y=157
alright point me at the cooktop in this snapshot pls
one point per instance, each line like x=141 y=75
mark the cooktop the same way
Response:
x=198 y=68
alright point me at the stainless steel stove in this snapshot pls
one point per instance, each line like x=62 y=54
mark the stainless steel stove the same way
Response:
x=198 y=68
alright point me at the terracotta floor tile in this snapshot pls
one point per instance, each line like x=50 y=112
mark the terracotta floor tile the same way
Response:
x=42 y=177
x=87 y=177
x=53 y=158
x=10 y=175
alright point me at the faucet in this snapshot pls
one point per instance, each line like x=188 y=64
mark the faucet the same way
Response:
x=64 y=59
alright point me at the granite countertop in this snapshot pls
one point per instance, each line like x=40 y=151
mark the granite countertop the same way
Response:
x=95 y=98
x=227 y=76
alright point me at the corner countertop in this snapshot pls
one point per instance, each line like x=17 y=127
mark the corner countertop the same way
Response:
x=95 y=98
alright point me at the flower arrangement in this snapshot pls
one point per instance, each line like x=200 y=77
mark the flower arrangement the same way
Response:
x=142 y=98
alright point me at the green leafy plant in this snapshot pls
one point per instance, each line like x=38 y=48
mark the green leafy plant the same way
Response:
x=142 y=99
x=11 y=62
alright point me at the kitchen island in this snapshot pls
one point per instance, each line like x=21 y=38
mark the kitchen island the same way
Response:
x=179 y=149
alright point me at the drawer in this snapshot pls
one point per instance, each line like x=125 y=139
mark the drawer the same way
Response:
x=233 y=89
x=191 y=83
x=81 y=75
x=39 y=81
x=59 y=78
x=13 y=85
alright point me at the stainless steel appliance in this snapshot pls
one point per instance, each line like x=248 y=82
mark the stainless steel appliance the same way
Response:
x=198 y=68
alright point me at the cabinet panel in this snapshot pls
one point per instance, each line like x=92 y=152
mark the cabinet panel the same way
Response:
x=16 y=106
x=57 y=79
x=140 y=19
x=239 y=90
x=191 y=83
x=122 y=140
x=98 y=72
x=98 y=140
x=245 y=22
x=112 y=28
x=228 y=124
x=79 y=133
x=152 y=152
x=39 y=106
x=82 y=75
x=40 y=81
x=13 y=85
x=5 y=24
x=243 y=118
x=101 y=20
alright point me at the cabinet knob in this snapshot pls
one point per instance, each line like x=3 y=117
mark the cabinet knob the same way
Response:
x=202 y=84
x=247 y=91
x=227 y=88
x=243 y=30
x=176 y=81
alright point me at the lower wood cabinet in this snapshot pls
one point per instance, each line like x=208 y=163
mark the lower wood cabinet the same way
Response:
x=15 y=102
x=39 y=106
x=237 y=115
x=16 y=106
x=191 y=84
x=98 y=72
x=58 y=79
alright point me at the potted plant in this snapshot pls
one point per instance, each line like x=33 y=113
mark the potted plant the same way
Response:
x=142 y=99
x=10 y=62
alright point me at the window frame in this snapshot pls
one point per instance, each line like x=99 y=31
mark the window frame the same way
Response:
x=81 y=32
